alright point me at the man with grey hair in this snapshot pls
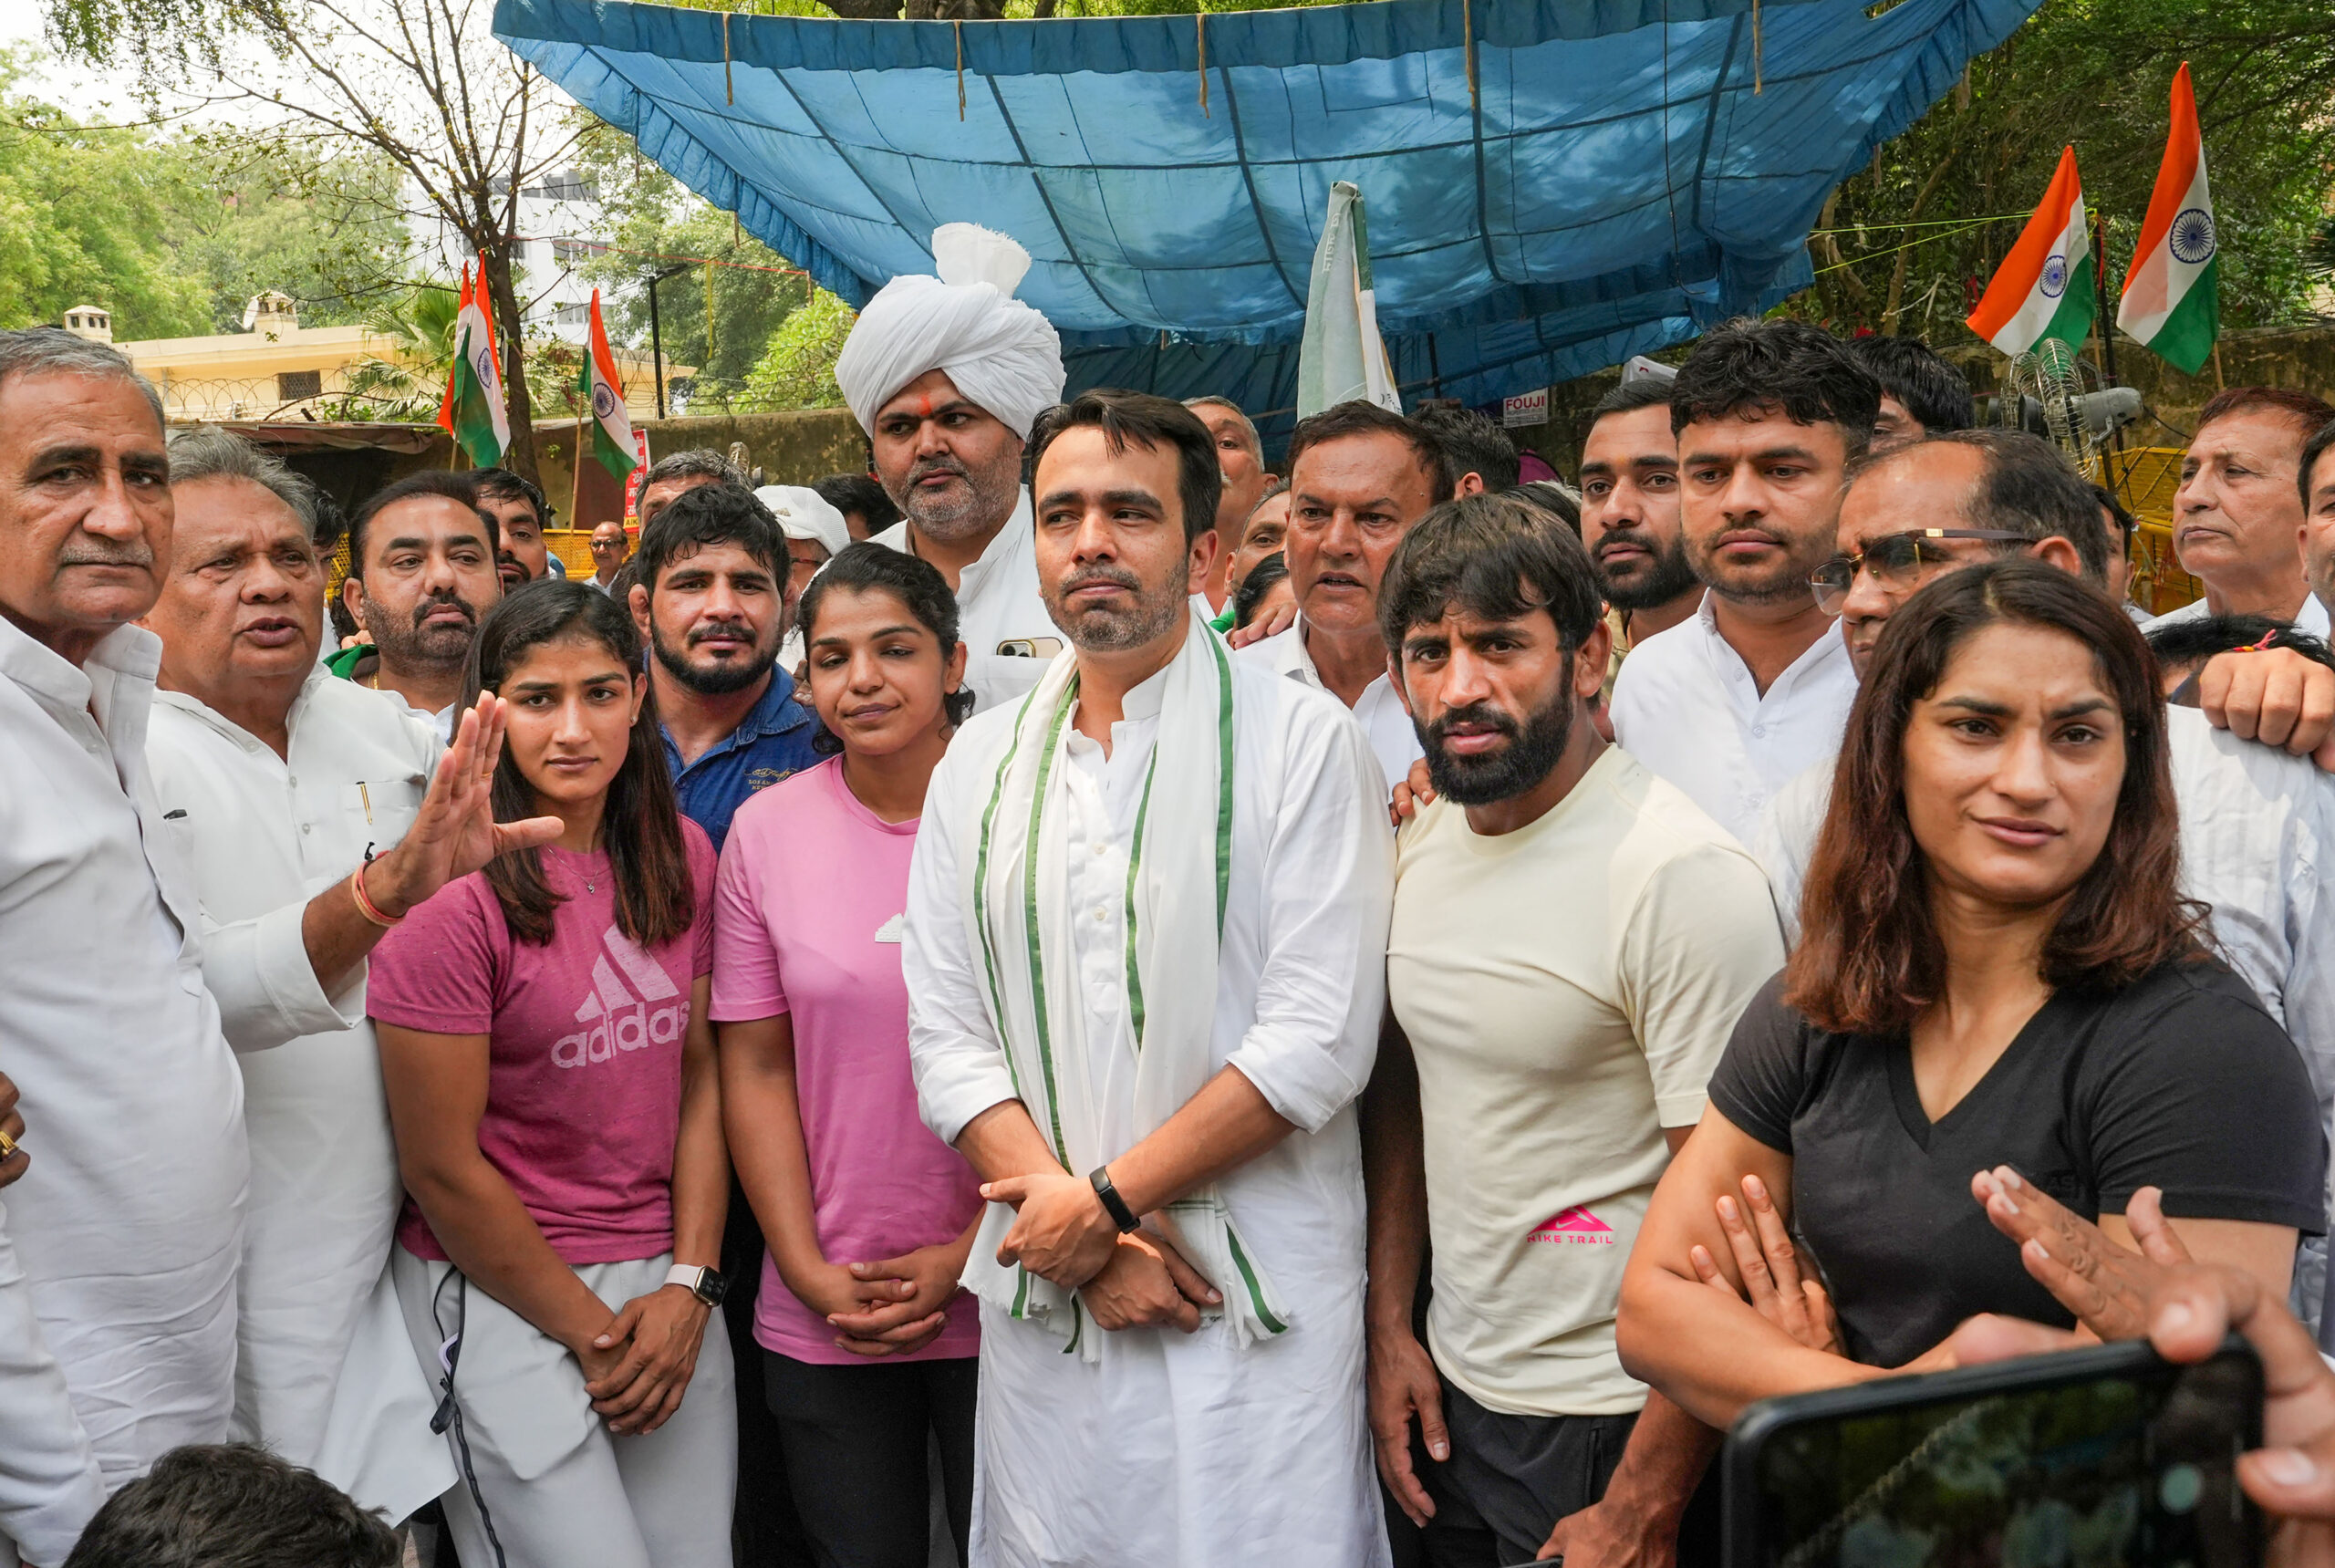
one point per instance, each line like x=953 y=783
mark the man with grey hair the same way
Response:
x=677 y=471
x=1240 y=455
x=280 y=779
x=118 y=1247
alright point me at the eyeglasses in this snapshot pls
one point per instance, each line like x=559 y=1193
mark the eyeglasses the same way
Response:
x=1895 y=560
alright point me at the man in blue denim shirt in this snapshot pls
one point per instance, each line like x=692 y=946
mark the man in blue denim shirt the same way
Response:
x=710 y=600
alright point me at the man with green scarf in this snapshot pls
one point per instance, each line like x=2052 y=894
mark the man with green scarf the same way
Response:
x=1144 y=952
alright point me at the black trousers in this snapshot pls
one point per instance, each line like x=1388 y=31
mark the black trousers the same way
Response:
x=763 y=1531
x=1510 y=1477
x=856 y=1439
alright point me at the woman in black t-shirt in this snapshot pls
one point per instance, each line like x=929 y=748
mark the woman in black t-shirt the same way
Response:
x=1994 y=969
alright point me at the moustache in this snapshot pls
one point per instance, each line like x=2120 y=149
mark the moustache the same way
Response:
x=1094 y=575
x=736 y=630
x=436 y=602
x=932 y=465
x=1629 y=535
x=113 y=555
x=1483 y=715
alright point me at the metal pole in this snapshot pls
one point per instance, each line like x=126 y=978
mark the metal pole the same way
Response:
x=657 y=345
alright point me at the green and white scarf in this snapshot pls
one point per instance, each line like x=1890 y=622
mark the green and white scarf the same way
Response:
x=1015 y=891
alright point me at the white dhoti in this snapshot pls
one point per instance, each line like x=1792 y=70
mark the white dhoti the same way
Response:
x=1245 y=1442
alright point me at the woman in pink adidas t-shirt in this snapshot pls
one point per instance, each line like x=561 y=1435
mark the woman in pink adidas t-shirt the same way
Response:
x=868 y=1349
x=549 y=1060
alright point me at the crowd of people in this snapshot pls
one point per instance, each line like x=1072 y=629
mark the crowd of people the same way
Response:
x=1079 y=1001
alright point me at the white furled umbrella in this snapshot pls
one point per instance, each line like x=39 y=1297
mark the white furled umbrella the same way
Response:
x=1342 y=358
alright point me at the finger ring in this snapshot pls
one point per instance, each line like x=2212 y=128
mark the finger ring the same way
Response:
x=7 y=1147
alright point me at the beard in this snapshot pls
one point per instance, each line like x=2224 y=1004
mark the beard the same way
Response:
x=983 y=500
x=1110 y=630
x=718 y=678
x=1776 y=583
x=1532 y=749
x=1664 y=574
x=404 y=643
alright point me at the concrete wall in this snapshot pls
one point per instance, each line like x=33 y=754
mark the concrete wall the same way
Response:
x=790 y=449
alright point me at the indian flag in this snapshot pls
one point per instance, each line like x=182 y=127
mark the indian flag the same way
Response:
x=2044 y=287
x=604 y=395
x=2172 y=299
x=472 y=410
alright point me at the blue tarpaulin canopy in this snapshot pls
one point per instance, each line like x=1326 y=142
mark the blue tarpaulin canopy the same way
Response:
x=1553 y=185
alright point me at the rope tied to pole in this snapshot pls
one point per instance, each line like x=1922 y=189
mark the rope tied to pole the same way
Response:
x=729 y=89
x=1199 y=19
x=1756 y=61
x=1468 y=47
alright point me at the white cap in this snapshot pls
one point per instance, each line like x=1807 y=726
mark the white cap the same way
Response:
x=804 y=514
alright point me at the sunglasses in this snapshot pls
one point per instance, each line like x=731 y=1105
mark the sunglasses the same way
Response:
x=1895 y=560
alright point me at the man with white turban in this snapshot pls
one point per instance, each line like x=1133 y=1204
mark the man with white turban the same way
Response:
x=946 y=375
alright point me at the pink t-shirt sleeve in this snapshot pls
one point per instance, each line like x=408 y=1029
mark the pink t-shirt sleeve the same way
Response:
x=703 y=872
x=745 y=961
x=436 y=971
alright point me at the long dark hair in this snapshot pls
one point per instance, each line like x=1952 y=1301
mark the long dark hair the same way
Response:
x=1869 y=958
x=640 y=826
x=922 y=591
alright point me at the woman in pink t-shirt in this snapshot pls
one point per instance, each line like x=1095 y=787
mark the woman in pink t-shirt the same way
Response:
x=549 y=1060
x=868 y=1348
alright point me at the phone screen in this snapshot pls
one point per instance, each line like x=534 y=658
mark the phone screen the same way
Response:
x=2128 y=1466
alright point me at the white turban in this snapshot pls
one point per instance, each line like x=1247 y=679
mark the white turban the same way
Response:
x=805 y=513
x=1001 y=353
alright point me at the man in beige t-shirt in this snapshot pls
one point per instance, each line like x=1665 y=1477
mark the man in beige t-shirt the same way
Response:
x=1572 y=942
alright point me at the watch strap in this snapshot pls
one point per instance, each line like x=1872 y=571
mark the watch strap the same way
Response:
x=1113 y=1204
x=693 y=1278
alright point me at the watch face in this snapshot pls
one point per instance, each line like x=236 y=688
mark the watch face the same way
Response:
x=712 y=1287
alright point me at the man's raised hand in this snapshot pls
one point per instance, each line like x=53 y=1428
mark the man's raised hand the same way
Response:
x=455 y=834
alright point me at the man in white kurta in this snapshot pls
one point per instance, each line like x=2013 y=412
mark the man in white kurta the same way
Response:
x=119 y=1247
x=1240 y=1440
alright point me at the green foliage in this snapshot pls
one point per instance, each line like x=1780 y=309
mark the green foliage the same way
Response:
x=407 y=381
x=327 y=232
x=654 y=225
x=799 y=370
x=83 y=212
x=2096 y=73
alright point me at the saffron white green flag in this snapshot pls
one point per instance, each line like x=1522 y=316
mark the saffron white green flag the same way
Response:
x=473 y=411
x=2044 y=288
x=1342 y=358
x=604 y=395
x=2172 y=295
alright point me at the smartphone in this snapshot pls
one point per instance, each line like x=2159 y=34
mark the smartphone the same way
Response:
x=1030 y=647
x=2105 y=1456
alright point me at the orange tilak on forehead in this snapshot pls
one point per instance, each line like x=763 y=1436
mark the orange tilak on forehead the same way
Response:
x=924 y=407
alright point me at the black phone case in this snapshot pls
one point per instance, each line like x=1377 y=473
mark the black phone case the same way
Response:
x=1740 y=1460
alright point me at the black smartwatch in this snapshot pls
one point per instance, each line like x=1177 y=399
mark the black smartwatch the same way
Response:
x=709 y=1285
x=1113 y=1204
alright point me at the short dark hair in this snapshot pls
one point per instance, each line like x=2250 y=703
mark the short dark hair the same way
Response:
x=1472 y=444
x=1869 y=958
x=1494 y=556
x=1554 y=498
x=2313 y=451
x=1804 y=370
x=849 y=493
x=1928 y=384
x=2194 y=639
x=919 y=587
x=501 y=484
x=2118 y=514
x=1358 y=418
x=692 y=462
x=1273 y=568
x=2305 y=413
x=1630 y=396
x=231 y=1506
x=640 y=828
x=461 y=487
x=718 y=514
x=2027 y=488
x=1153 y=422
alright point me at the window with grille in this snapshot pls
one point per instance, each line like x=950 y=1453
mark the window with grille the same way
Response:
x=291 y=385
x=575 y=253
